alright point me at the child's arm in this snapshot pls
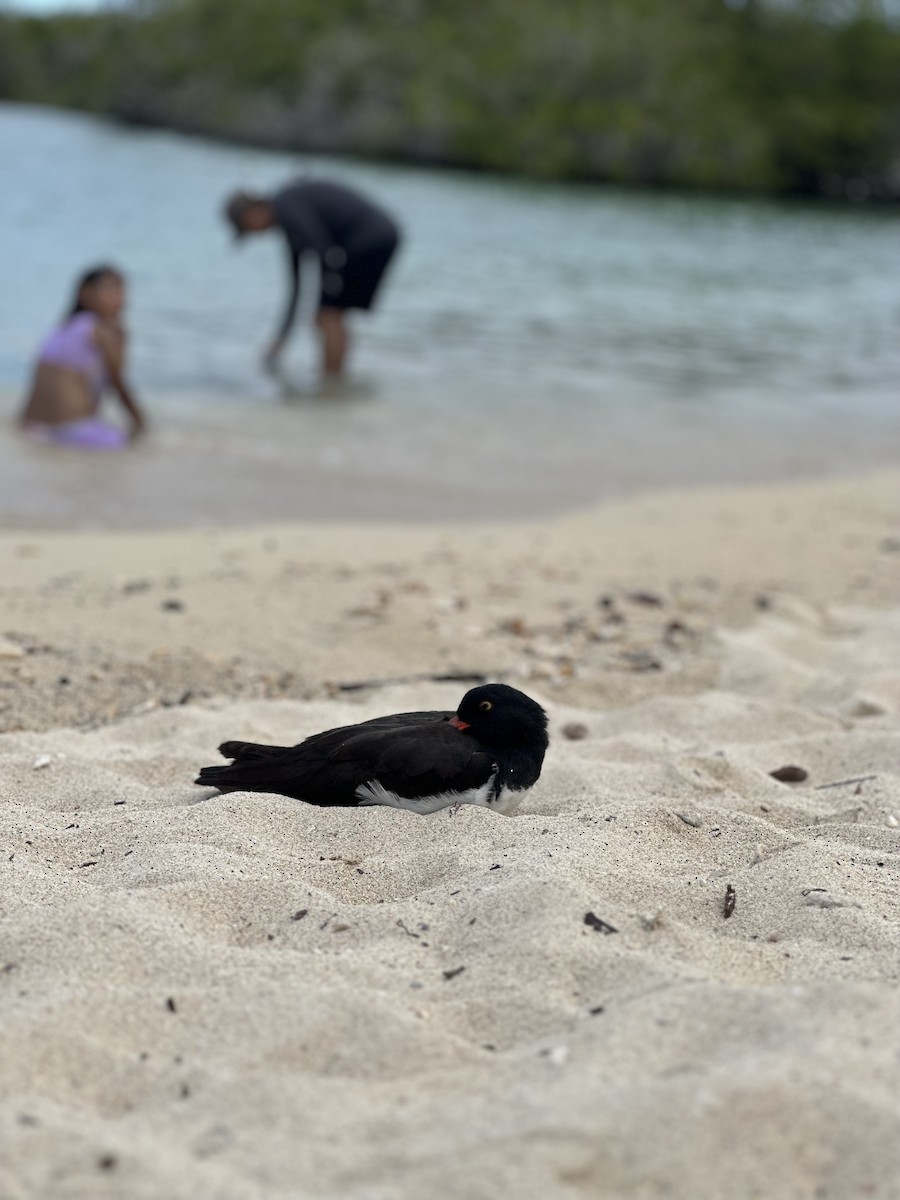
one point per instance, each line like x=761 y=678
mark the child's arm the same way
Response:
x=111 y=341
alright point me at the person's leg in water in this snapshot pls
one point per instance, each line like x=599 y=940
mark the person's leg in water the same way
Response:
x=335 y=340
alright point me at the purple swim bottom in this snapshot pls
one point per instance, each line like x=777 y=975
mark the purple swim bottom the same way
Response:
x=88 y=433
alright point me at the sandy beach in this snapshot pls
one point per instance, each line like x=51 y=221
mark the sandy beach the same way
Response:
x=671 y=974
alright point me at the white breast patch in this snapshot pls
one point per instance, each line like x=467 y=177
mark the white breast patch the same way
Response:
x=374 y=792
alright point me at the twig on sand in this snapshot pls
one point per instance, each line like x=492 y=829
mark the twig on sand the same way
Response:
x=844 y=782
x=361 y=685
x=730 y=900
x=598 y=924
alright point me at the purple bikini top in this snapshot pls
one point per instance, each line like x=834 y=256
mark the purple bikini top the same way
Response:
x=72 y=345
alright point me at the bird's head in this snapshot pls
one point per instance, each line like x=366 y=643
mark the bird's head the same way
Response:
x=499 y=715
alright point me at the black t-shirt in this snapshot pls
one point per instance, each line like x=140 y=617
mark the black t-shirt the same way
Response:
x=316 y=215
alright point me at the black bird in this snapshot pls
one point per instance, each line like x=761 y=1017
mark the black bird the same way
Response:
x=488 y=752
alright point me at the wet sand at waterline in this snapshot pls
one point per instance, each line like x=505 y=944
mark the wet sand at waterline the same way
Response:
x=338 y=460
x=670 y=974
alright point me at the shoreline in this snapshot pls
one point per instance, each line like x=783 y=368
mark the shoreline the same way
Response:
x=260 y=126
x=880 y=192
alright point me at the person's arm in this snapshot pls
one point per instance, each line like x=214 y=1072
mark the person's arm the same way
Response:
x=273 y=353
x=112 y=344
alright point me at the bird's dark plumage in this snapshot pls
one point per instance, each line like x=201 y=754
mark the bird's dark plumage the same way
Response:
x=489 y=752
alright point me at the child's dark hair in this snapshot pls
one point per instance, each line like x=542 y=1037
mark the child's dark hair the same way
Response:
x=94 y=275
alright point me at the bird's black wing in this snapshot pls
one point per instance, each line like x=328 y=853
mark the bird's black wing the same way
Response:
x=427 y=760
x=303 y=771
x=393 y=721
x=411 y=754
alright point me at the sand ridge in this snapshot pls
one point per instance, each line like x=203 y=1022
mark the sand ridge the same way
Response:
x=609 y=605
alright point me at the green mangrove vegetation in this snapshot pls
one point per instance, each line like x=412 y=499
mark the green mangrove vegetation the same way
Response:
x=801 y=97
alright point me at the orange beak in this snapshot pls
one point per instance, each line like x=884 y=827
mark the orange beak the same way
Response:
x=457 y=723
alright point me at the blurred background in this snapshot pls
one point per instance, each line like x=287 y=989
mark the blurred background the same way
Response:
x=645 y=244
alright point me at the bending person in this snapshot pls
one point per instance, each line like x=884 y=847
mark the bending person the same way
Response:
x=79 y=360
x=353 y=239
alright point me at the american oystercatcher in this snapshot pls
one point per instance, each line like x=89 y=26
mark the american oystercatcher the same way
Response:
x=488 y=752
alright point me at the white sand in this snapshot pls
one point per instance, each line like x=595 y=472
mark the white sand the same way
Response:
x=171 y=1026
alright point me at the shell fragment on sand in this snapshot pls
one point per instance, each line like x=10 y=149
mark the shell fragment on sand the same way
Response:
x=10 y=650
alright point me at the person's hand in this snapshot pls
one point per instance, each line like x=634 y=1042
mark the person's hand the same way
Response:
x=272 y=356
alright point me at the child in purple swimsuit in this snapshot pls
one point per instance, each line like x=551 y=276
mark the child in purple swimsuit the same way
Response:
x=79 y=360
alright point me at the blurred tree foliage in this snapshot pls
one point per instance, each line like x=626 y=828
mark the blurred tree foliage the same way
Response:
x=743 y=95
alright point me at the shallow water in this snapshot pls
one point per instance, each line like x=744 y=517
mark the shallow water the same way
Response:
x=536 y=346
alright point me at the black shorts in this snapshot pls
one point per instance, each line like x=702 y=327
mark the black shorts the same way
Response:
x=350 y=278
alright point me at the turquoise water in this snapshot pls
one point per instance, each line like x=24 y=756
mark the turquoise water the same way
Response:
x=536 y=345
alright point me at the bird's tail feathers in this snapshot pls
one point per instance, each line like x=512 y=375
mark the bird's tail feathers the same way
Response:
x=247 y=751
x=251 y=770
x=216 y=777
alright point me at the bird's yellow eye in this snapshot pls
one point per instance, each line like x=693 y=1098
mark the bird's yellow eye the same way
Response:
x=485 y=706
